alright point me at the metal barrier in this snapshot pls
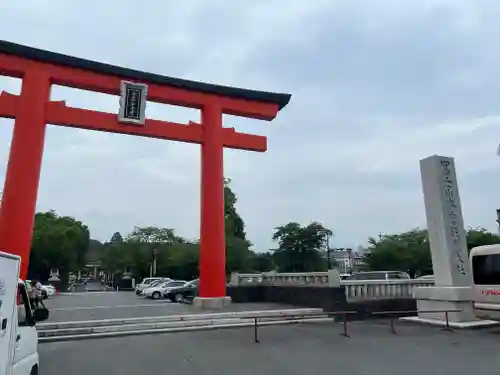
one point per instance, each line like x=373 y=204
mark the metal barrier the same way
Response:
x=391 y=314
x=303 y=316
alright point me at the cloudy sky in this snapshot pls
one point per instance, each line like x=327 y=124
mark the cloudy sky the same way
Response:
x=377 y=85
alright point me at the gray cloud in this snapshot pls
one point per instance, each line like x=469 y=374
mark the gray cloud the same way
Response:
x=376 y=86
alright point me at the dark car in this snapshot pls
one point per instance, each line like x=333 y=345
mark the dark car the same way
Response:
x=184 y=293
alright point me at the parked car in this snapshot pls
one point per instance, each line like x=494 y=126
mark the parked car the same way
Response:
x=378 y=275
x=145 y=283
x=183 y=293
x=154 y=284
x=48 y=291
x=426 y=277
x=157 y=291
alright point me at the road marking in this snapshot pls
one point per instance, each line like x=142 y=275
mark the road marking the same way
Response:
x=90 y=292
x=106 y=307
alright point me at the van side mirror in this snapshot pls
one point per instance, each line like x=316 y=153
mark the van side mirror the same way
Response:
x=40 y=314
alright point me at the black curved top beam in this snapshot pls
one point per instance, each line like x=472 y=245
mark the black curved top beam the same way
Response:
x=74 y=62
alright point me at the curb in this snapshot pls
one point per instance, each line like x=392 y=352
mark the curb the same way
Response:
x=49 y=339
x=174 y=318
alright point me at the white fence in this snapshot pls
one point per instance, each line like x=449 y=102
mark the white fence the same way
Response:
x=355 y=290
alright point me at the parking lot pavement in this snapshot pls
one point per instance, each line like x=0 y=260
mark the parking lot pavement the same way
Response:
x=286 y=350
x=109 y=305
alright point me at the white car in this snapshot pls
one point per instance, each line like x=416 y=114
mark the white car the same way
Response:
x=145 y=283
x=48 y=291
x=153 y=284
x=158 y=291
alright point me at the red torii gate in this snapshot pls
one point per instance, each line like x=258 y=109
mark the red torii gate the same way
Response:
x=33 y=109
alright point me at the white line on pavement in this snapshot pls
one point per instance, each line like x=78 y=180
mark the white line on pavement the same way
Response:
x=89 y=293
x=106 y=307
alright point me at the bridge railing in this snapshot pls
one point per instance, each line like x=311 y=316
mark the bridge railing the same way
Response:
x=355 y=289
x=382 y=289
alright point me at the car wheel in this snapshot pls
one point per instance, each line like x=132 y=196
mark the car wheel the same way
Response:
x=156 y=295
x=179 y=298
x=44 y=294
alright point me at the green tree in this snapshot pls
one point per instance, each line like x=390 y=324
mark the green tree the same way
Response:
x=180 y=261
x=238 y=254
x=153 y=235
x=94 y=252
x=300 y=248
x=234 y=225
x=139 y=248
x=58 y=242
x=480 y=236
x=114 y=258
x=116 y=238
x=175 y=256
x=410 y=251
x=263 y=262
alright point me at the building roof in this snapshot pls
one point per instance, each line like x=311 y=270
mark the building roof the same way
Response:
x=280 y=99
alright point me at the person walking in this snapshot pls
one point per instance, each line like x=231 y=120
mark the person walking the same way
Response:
x=39 y=295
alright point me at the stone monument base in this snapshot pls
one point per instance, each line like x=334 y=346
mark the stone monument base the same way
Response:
x=440 y=298
x=211 y=303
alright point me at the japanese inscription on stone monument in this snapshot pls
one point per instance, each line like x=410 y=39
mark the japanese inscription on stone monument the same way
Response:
x=455 y=228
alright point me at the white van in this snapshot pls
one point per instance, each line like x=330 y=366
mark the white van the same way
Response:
x=485 y=265
x=18 y=336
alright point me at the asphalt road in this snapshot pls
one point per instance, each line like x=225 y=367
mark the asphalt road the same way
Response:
x=287 y=350
x=108 y=305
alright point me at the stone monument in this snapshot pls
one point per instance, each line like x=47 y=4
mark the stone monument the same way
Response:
x=54 y=279
x=448 y=243
x=54 y=275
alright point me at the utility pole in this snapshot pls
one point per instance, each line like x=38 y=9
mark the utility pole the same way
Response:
x=328 y=251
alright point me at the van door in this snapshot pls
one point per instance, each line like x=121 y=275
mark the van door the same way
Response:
x=26 y=338
x=9 y=271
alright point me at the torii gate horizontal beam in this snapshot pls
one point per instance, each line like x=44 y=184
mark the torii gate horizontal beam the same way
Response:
x=57 y=113
x=16 y=60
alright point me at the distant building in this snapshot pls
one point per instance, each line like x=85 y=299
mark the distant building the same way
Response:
x=349 y=259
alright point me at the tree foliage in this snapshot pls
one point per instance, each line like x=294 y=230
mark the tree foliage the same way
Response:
x=63 y=242
x=58 y=242
x=480 y=236
x=300 y=247
x=175 y=256
x=263 y=262
x=238 y=254
x=410 y=251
